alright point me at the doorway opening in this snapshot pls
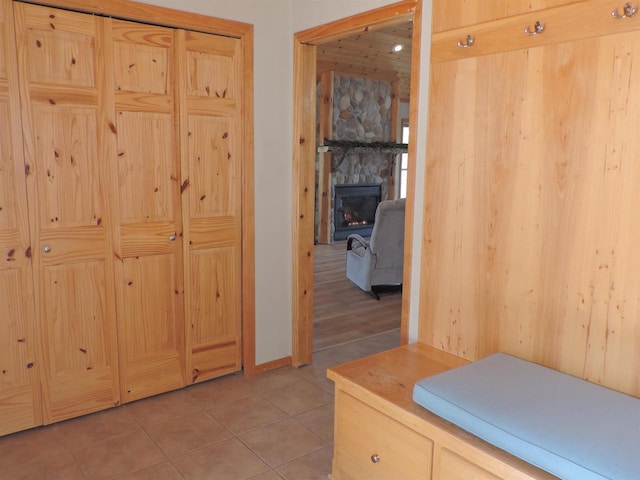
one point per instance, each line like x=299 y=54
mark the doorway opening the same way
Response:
x=306 y=46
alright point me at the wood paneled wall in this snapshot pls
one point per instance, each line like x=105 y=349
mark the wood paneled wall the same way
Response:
x=531 y=210
x=457 y=13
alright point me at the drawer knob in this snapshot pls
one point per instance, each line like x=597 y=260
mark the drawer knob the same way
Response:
x=46 y=249
x=375 y=458
x=172 y=237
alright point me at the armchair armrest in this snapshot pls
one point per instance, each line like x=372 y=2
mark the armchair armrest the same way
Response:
x=358 y=238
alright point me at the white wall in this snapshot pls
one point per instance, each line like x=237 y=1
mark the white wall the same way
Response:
x=275 y=22
x=311 y=13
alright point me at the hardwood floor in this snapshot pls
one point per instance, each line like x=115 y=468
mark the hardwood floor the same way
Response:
x=342 y=312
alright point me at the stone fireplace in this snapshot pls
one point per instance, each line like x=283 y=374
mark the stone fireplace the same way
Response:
x=357 y=111
x=355 y=209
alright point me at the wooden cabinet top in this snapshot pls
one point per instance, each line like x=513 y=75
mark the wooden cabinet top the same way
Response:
x=392 y=374
x=385 y=382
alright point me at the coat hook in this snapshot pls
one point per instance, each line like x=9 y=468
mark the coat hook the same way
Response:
x=538 y=28
x=468 y=42
x=629 y=11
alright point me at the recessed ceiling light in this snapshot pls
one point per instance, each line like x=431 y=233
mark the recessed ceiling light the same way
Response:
x=397 y=48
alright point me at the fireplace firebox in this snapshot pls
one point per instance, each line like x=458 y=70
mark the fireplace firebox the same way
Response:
x=355 y=209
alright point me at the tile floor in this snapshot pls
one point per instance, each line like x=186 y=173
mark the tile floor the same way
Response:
x=273 y=426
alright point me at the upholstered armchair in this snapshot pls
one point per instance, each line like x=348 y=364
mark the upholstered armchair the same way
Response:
x=378 y=261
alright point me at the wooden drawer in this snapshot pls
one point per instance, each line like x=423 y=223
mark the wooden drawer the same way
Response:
x=372 y=446
x=449 y=465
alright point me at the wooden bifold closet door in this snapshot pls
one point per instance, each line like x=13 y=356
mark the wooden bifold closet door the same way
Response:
x=133 y=173
x=19 y=387
x=147 y=208
x=211 y=171
x=64 y=100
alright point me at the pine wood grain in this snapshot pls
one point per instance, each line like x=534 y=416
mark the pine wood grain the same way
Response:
x=211 y=100
x=20 y=403
x=105 y=110
x=574 y=21
x=304 y=146
x=324 y=186
x=385 y=383
x=146 y=190
x=529 y=245
x=448 y=15
x=67 y=149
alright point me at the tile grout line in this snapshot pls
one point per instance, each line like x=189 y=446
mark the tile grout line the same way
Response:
x=197 y=403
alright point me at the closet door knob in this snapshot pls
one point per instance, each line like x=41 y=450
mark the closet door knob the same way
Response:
x=172 y=237
x=46 y=249
x=375 y=458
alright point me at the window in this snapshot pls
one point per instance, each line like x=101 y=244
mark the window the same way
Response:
x=404 y=160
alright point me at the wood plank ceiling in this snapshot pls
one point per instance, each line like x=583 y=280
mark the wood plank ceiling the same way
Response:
x=369 y=55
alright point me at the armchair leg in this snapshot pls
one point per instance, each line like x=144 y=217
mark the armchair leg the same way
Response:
x=374 y=294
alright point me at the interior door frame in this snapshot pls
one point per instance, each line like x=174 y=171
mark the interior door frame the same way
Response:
x=304 y=155
x=167 y=17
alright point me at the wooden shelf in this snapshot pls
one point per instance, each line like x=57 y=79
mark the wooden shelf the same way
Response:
x=343 y=147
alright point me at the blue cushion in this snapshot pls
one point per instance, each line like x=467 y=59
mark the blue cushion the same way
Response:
x=564 y=425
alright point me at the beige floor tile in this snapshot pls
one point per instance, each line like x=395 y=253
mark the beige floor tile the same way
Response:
x=282 y=442
x=30 y=446
x=118 y=455
x=356 y=350
x=381 y=342
x=319 y=421
x=270 y=475
x=228 y=460
x=79 y=432
x=323 y=383
x=328 y=358
x=318 y=377
x=160 y=471
x=273 y=379
x=61 y=467
x=162 y=408
x=114 y=444
x=247 y=413
x=179 y=436
x=298 y=397
x=315 y=466
x=219 y=390
x=371 y=345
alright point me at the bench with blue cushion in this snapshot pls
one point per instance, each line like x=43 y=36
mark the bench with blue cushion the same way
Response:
x=571 y=428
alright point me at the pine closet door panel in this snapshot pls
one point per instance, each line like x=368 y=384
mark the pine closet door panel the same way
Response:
x=211 y=184
x=149 y=273
x=66 y=143
x=20 y=403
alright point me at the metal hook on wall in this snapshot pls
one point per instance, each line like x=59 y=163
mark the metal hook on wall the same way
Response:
x=468 y=42
x=628 y=9
x=537 y=28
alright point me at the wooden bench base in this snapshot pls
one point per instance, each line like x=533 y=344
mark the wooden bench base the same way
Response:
x=381 y=433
